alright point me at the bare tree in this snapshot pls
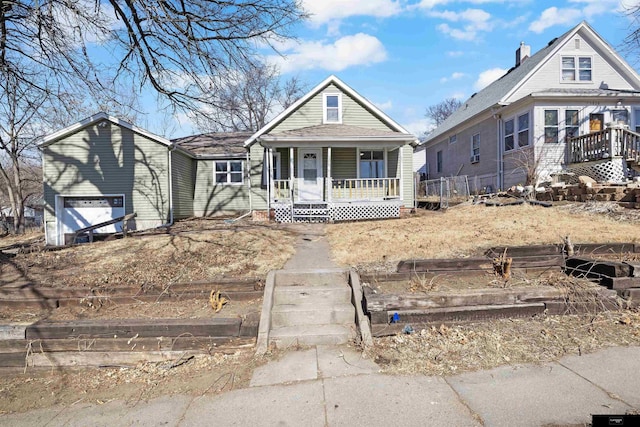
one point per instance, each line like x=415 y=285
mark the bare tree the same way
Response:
x=250 y=99
x=55 y=55
x=439 y=112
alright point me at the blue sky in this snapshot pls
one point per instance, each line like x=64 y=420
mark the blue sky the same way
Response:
x=404 y=55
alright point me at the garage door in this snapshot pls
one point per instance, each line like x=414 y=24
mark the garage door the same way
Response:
x=81 y=212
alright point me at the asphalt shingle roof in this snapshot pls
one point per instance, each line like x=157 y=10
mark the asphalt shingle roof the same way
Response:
x=335 y=130
x=220 y=144
x=495 y=92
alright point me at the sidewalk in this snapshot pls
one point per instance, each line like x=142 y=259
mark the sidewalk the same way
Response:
x=333 y=386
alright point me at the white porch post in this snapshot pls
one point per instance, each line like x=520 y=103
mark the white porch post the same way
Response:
x=270 y=188
x=329 y=180
x=401 y=157
x=291 y=176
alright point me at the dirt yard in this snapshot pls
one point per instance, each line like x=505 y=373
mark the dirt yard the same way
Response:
x=443 y=350
x=466 y=230
x=190 y=250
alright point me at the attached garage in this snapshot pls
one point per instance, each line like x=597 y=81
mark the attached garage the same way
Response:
x=103 y=168
x=77 y=212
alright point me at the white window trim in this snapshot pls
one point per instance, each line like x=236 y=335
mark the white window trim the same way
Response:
x=635 y=111
x=576 y=58
x=324 y=107
x=215 y=175
x=384 y=156
x=557 y=126
x=516 y=131
x=563 y=139
x=475 y=158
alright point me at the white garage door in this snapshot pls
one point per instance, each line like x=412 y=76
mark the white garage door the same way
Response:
x=81 y=212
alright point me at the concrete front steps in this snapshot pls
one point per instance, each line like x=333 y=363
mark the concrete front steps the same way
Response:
x=311 y=308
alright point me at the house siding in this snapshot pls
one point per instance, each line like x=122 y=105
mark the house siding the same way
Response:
x=343 y=163
x=407 y=176
x=258 y=194
x=183 y=184
x=311 y=113
x=108 y=159
x=457 y=156
x=549 y=74
x=212 y=198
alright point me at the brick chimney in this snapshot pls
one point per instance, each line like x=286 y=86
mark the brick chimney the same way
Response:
x=522 y=53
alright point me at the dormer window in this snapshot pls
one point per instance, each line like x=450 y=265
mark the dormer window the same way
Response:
x=332 y=108
x=576 y=68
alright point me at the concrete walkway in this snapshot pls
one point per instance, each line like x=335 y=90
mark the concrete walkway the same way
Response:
x=312 y=248
x=327 y=386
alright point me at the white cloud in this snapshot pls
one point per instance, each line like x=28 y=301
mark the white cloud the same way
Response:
x=348 y=51
x=430 y=4
x=384 y=106
x=455 y=53
x=581 y=9
x=458 y=95
x=454 y=76
x=419 y=126
x=474 y=20
x=323 y=11
x=554 y=16
x=487 y=77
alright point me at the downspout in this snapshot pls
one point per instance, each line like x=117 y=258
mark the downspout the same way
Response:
x=500 y=171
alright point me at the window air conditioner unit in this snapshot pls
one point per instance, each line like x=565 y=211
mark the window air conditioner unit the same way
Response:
x=475 y=158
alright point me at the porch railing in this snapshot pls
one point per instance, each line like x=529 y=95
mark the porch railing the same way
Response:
x=281 y=189
x=365 y=188
x=607 y=143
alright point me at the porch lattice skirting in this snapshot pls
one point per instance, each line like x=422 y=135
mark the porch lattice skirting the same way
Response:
x=336 y=211
x=606 y=170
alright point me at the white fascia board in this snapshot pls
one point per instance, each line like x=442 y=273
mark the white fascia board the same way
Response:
x=54 y=137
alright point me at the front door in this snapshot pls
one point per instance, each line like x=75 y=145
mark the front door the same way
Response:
x=310 y=174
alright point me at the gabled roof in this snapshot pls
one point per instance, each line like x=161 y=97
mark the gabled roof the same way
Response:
x=346 y=89
x=498 y=92
x=214 y=145
x=337 y=132
x=89 y=121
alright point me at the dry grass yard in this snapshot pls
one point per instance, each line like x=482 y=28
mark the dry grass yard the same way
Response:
x=191 y=250
x=466 y=230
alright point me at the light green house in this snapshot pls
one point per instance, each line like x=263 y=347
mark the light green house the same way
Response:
x=331 y=156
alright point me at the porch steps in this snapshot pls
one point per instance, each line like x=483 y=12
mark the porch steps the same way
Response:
x=311 y=212
x=311 y=308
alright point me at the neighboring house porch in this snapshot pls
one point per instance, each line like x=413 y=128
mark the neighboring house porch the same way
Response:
x=605 y=155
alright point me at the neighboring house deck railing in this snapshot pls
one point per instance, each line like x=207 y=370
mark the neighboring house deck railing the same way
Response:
x=365 y=188
x=604 y=144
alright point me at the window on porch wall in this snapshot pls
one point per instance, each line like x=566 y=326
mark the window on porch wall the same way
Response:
x=571 y=124
x=551 y=126
x=372 y=164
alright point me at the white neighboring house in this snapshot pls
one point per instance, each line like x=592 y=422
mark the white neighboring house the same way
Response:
x=33 y=215
x=420 y=160
x=575 y=104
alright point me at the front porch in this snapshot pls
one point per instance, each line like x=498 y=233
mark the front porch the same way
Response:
x=303 y=187
x=605 y=155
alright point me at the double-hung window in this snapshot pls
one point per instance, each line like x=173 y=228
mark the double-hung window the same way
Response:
x=332 y=108
x=453 y=139
x=516 y=129
x=551 y=126
x=523 y=130
x=509 y=129
x=371 y=164
x=576 y=68
x=475 y=148
x=228 y=172
x=636 y=117
x=439 y=161
x=571 y=124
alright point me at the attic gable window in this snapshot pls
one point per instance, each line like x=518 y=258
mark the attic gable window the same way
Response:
x=332 y=108
x=576 y=68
